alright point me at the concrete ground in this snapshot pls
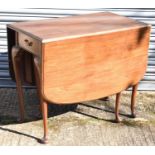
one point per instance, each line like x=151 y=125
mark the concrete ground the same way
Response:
x=91 y=123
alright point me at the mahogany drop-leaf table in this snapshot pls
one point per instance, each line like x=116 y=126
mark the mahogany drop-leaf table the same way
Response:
x=78 y=58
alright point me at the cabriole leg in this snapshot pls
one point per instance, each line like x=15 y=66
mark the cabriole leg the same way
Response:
x=37 y=76
x=133 y=100
x=44 y=140
x=16 y=59
x=43 y=104
x=117 y=105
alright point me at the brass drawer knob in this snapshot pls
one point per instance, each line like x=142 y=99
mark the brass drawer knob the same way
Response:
x=29 y=43
x=26 y=40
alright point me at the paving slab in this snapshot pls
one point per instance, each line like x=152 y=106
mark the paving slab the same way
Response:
x=88 y=123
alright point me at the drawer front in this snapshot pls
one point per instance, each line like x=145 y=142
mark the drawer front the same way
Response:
x=29 y=44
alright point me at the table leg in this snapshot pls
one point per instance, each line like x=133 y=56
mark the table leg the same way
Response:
x=117 y=105
x=43 y=103
x=44 y=140
x=16 y=59
x=37 y=75
x=37 y=78
x=133 y=100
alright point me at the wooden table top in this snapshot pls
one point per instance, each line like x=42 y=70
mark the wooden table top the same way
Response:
x=75 y=26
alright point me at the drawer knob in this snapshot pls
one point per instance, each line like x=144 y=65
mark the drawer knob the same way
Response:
x=29 y=43
x=26 y=40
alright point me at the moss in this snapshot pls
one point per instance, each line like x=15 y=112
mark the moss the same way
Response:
x=152 y=122
x=72 y=119
x=133 y=123
x=139 y=122
x=56 y=123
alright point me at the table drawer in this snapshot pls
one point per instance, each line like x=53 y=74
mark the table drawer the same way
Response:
x=29 y=44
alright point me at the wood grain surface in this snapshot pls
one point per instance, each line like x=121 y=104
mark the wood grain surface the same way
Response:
x=92 y=67
x=75 y=26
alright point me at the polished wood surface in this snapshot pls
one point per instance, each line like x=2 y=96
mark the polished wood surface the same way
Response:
x=76 y=26
x=93 y=67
